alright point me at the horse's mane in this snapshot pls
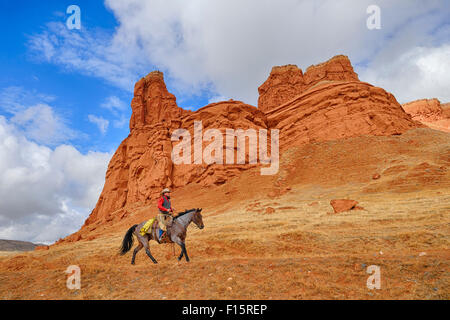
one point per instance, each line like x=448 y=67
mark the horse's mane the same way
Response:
x=184 y=212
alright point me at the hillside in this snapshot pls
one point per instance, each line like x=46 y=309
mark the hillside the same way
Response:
x=430 y=112
x=268 y=236
x=331 y=103
x=15 y=245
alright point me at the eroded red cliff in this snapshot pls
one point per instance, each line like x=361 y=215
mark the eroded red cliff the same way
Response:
x=328 y=102
x=430 y=112
x=287 y=82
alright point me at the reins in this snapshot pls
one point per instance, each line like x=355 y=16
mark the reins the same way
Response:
x=183 y=213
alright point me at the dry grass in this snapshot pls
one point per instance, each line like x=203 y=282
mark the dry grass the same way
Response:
x=294 y=250
x=300 y=252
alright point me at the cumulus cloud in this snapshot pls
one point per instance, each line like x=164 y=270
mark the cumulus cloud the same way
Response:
x=114 y=104
x=100 y=122
x=90 y=52
x=47 y=187
x=15 y=98
x=427 y=68
x=217 y=99
x=35 y=118
x=45 y=193
x=118 y=109
x=41 y=124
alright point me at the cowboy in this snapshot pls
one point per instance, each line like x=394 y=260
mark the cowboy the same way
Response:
x=165 y=212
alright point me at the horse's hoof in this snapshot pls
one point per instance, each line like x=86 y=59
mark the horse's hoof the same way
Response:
x=155 y=262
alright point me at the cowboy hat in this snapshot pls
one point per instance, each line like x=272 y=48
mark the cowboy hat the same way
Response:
x=166 y=190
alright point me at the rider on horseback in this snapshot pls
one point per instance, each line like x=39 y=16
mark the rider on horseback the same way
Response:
x=165 y=212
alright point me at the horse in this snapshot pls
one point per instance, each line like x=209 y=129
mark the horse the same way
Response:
x=176 y=234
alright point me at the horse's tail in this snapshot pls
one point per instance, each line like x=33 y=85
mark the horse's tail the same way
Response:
x=128 y=240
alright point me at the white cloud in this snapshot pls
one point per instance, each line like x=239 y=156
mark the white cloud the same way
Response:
x=92 y=53
x=229 y=47
x=15 y=98
x=114 y=104
x=121 y=122
x=35 y=118
x=428 y=71
x=42 y=125
x=100 y=122
x=45 y=193
x=118 y=109
x=217 y=99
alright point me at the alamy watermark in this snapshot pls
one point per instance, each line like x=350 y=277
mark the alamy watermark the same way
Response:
x=374 y=281
x=374 y=20
x=74 y=279
x=213 y=153
x=74 y=21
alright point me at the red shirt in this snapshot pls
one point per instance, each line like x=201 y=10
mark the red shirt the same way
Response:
x=161 y=202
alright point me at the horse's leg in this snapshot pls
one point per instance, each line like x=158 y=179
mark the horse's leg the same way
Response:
x=178 y=241
x=183 y=249
x=185 y=252
x=136 y=250
x=147 y=250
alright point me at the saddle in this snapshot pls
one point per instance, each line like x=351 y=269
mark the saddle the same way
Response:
x=149 y=224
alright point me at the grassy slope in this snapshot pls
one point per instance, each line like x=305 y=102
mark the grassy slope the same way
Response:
x=296 y=249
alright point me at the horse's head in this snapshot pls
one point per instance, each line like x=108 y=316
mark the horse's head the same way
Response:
x=198 y=219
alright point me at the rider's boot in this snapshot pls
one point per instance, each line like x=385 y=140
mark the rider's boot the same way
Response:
x=161 y=234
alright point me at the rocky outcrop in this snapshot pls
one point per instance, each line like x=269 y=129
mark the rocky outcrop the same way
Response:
x=338 y=68
x=424 y=110
x=152 y=103
x=328 y=102
x=446 y=110
x=342 y=205
x=287 y=82
x=283 y=84
x=429 y=112
x=41 y=248
x=336 y=110
x=143 y=165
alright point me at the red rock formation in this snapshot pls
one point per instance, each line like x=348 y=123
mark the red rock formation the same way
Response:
x=338 y=68
x=430 y=112
x=283 y=84
x=142 y=165
x=335 y=110
x=446 y=110
x=41 y=248
x=287 y=82
x=328 y=102
x=152 y=103
x=341 y=205
x=424 y=109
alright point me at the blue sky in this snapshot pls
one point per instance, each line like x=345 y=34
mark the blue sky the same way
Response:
x=65 y=94
x=75 y=95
